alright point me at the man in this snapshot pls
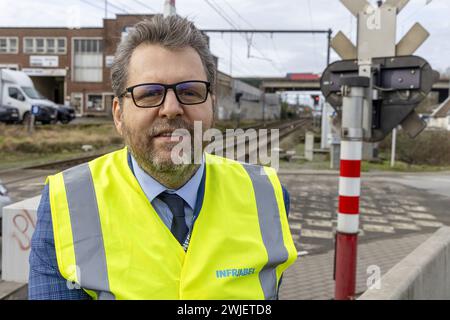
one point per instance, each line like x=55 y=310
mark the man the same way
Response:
x=134 y=224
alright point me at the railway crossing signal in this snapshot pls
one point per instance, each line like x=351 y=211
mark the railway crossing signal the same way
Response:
x=399 y=80
x=374 y=89
x=400 y=83
x=316 y=99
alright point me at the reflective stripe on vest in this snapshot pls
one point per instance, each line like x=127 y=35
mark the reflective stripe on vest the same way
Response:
x=90 y=255
x=269 y=222
x=88 y=234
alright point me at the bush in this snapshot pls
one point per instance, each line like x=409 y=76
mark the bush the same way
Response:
x=428 y=148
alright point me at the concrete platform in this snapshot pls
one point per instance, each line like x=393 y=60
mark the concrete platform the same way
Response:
x=311 y=277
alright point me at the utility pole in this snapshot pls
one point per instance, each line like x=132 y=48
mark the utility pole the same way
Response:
x=169 y=8
x=368 y=111
x=263 y=99
x=393 y=147
x=238 y=97
x=231 y=55
x=106 y=9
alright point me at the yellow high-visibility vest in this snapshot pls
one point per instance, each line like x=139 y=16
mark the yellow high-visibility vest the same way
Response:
x=110 y=241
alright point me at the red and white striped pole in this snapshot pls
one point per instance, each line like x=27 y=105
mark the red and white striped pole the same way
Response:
x=353 y=92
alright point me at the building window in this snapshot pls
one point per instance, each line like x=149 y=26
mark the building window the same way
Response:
x=40 y=45
x=62 y=45
x=3 y=45
x=8 y=45
x=28 y=46
x=51 y=48
x=45 y=45
x=95 y=102
x=88 y=60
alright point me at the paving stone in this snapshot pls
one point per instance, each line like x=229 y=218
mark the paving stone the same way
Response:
x=405 y=226
x=378 y=228
x=315 y=272
x=421 y=216
x=432 y=224
x=319 y=223
x=307 y=233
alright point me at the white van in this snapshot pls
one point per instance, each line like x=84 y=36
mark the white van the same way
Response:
x=17 y=90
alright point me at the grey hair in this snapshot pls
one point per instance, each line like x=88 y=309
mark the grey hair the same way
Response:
x=172 y=32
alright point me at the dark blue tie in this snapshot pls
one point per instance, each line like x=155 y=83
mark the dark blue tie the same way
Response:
x=176 y=205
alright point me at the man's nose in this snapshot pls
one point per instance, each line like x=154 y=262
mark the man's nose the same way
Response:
x=171 y=107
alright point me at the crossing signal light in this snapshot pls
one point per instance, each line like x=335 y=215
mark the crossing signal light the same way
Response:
x=316 y=99
x=401 y=82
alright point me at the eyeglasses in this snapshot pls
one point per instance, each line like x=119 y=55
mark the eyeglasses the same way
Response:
x=150 y=95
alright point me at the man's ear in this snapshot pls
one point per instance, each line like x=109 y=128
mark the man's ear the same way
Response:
x=117 y=110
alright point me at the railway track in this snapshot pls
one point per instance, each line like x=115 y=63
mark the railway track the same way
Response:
x=42 y=170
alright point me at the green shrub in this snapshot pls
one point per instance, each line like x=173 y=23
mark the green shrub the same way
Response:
x=428 y=148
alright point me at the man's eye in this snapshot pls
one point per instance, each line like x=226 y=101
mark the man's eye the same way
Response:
x=153 y=93
x=190 y=93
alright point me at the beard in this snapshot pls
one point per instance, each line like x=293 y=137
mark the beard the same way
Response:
x=154 y=157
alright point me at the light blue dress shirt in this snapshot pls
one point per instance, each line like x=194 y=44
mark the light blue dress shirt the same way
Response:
x=153 y=189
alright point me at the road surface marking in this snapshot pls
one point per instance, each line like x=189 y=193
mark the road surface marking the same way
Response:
x=307 y=233
x=378 y=228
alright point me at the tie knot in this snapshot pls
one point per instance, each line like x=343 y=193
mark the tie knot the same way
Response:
x=174 y=202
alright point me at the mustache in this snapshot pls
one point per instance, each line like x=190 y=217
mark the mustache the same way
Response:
x=163 y=126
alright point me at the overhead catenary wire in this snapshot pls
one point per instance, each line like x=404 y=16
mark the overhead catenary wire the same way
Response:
x=314 y=35
x=116 y=7
x=233 y=25
x=145 y=5
x=238 y=14
x=125 y=6
x=242 y=64
x=403 y=22
x=252 y=26
x=250 y=44
x=101 y=8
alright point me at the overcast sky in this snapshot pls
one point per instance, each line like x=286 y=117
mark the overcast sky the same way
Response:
x=269 y=55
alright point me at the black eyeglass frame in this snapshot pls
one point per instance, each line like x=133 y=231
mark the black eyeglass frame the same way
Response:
x=166 y=88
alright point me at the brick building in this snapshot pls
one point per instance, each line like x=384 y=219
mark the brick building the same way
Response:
x=68 y=65
x=73 y=66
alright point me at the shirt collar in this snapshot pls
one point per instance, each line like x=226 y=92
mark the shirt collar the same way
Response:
x=152 y=188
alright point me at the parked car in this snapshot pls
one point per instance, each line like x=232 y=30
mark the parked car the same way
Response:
x=45 y=115
x=9 y=114
x=65 y=113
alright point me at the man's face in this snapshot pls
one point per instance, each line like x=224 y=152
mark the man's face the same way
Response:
x=143 y=128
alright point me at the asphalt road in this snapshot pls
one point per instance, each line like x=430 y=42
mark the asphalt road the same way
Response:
x=435 y=183
x=392 y=205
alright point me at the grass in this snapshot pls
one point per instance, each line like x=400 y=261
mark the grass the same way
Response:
x=322 y=162
x=400 y=167
x=53 y=143
x=19 y=160
x=60 y=142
